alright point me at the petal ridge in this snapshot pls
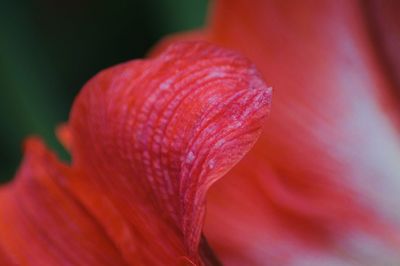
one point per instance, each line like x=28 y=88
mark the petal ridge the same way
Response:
x=162 y=131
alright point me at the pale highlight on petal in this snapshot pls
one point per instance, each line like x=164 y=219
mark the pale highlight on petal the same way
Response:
x=321 y=187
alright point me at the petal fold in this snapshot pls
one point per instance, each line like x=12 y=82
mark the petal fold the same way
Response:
x=321 y=187
x=149 y=137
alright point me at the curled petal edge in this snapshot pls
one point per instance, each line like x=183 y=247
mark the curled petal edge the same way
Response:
x=151 y=136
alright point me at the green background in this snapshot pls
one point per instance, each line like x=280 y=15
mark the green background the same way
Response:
x=48 y=49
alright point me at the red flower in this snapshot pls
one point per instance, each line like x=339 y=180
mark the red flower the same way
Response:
x=322 y=185
x=148 y=138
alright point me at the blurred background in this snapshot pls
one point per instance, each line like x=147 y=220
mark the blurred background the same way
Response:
x=49 y=49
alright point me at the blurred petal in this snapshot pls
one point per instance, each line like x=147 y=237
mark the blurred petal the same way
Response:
x=385 y=27
x=322 y=186
x=64 y=136
x=149 y=137
x=4 y=258
x=198 y=35
x=42 y=224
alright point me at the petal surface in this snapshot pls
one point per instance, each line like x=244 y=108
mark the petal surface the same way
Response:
x=322 y=185
x=149 y=137
x=41 y=223
x=384 y=24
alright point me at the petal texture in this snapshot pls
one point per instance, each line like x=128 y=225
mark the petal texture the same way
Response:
x=147 y=139
x=42 y=224
x=322 y=185
x=150 y=137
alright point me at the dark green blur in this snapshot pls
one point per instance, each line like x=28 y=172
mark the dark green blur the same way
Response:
x=48 y=49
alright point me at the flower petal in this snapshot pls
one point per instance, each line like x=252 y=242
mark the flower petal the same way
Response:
x=4 y=258
x=41 y=223
x=385 y=27
x=149 y=137
x=321 y=187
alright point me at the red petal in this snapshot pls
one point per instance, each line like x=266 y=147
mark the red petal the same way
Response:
x=385 y=28
x=4 y=258
x=42 y=224
x=64 y=135
x=150 y=137
x=321 y=187
x=163 y=44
